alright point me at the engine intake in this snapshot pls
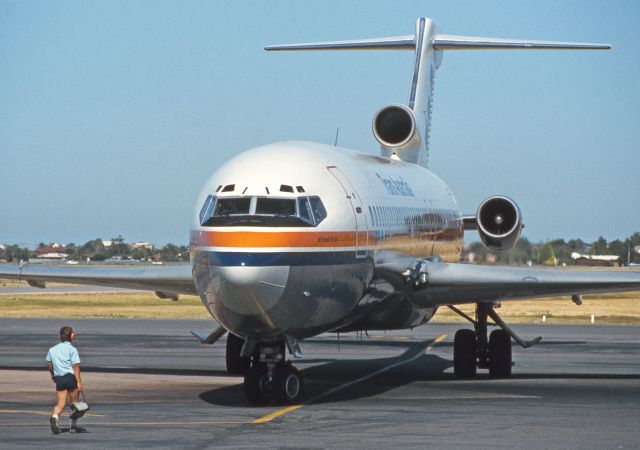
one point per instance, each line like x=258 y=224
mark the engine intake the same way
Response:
x=394 y=126
x=499 y=222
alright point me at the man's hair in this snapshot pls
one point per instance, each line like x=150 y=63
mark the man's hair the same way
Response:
x=65 y=334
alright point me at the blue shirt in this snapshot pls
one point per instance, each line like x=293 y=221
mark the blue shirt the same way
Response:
x=61 y=357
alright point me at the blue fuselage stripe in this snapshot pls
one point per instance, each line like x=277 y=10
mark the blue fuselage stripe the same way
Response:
x=282 y=258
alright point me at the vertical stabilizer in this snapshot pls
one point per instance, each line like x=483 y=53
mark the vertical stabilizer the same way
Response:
x=427 y=60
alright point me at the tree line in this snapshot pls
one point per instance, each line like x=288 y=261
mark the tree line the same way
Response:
x=558 y=251
x=96 y=250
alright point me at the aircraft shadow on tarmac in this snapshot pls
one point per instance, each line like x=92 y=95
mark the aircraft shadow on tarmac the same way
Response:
x=330 y=375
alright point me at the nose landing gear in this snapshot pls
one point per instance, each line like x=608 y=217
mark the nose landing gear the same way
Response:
x=271 y=377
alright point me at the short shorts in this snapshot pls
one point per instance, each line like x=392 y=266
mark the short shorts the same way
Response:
x=66 y=382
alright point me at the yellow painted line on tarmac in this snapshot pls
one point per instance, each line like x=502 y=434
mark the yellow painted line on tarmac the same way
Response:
x=288 y=409
x=40 y=413
x=173 y=423
x=277 y=413
x=391 y=338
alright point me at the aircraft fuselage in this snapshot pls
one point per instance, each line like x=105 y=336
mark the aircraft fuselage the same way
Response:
x=278 y=252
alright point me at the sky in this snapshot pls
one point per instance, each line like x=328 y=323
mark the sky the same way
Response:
x=114 y=114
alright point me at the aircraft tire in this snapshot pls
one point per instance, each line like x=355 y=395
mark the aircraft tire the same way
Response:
x=236 y=364
x=465 y=348
x=499 y=354
x=288 y=386
x=256 y=385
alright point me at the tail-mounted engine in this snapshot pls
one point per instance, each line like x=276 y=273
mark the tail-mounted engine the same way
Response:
x=499 y=222
x=394 y=127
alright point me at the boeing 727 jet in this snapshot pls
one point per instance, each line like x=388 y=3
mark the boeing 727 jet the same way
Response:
x=294 y=239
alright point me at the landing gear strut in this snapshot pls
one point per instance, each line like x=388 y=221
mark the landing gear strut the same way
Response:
x=236 y=364
x=472 y=350
x=271 y=377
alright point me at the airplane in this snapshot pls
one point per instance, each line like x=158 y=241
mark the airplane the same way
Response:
x=293 y=239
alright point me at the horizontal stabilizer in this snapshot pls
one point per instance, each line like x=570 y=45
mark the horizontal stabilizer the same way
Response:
x=451 y=42
x=386 y=43
x=441 y=42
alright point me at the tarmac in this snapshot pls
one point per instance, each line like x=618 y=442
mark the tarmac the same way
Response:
x=150 y=384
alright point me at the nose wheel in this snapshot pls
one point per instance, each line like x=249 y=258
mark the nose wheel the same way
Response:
x=257 y=385
x=287 y=385
x=271 y=378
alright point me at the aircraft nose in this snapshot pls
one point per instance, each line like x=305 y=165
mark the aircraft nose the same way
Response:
x=251 y=290
x=244 y=298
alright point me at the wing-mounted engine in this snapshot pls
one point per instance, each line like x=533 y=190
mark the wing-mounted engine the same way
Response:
x=394 y=127
x=498 y=221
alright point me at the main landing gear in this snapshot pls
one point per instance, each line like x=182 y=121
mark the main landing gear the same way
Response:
x=472 y=350
x=267 y=375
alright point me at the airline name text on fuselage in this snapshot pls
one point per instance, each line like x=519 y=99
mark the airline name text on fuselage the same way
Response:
x=397 y=186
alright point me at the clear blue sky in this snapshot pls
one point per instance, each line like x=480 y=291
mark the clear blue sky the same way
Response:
x=113 y=114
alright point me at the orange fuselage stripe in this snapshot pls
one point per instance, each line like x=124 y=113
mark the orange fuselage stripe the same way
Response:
x=262 y=239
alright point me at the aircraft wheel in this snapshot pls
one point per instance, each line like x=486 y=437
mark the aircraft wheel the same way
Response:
x=465 y=347
x=499 y=354
x=287 y=385
x=256 y=385
x=236 y=364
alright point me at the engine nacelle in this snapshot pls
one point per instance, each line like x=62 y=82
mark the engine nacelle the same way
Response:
x=394 y=126
x=499 y=222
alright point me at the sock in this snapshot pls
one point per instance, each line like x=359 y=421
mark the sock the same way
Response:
x=55 y=416
x=73 y=423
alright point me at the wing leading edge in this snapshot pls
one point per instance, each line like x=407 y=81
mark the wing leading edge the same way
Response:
x=166 y=279
x=447 y=284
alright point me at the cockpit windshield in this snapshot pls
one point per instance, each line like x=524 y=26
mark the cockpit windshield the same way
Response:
x=276 y=206
x=262 y=211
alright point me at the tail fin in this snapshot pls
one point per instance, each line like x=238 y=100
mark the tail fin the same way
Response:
x=428 y=45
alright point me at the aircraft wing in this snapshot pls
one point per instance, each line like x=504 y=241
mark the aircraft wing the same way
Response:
x=446 y=284
x=163 y=279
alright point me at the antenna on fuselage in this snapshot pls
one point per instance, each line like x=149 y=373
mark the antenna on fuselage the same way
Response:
x=405 y=130
x=335 y=143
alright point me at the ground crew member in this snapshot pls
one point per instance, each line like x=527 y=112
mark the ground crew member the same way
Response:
x=63 y=362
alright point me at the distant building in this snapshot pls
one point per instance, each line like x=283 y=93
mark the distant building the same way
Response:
x=637 y=249
x=3 y=247
x=52 y=248
x=595 y=260
x=107 y=243
x=145 y=245
x=53 y=255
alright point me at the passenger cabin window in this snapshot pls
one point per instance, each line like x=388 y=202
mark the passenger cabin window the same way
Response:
x=262 y=211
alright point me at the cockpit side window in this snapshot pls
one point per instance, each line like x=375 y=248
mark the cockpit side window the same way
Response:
x=319 y=213
x=304 y=210
x=207 y=209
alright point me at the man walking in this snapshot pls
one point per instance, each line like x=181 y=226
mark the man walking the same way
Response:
x=63 y=362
